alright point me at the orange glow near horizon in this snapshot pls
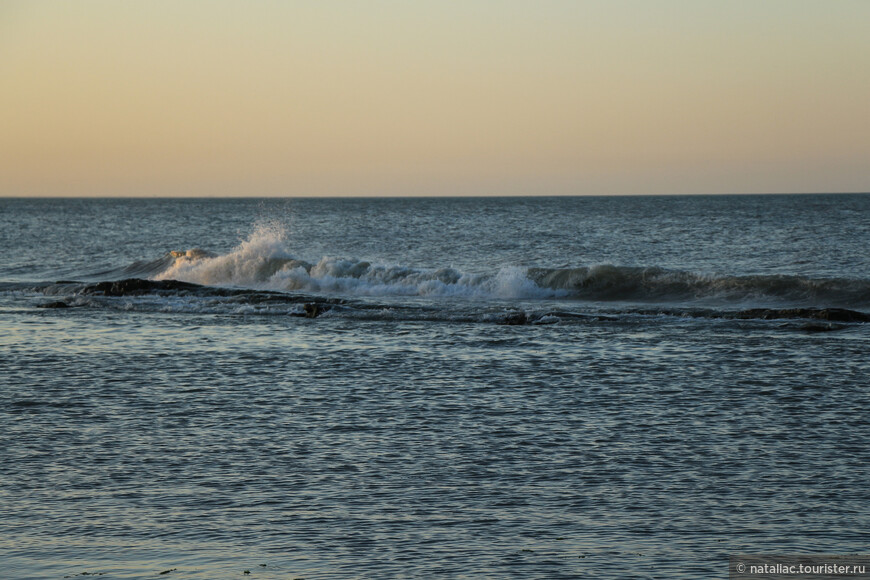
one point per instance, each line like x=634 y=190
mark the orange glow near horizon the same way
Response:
x=390 y=98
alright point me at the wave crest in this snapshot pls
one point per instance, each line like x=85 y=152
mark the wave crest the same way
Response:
x=252 y=262
x=264 y=261
x=657 y=284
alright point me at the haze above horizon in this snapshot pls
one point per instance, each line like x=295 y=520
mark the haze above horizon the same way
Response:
x=340 y=98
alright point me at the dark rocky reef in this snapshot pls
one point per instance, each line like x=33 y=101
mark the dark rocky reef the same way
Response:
x=816 y=327
x=56 y=304
x=829 y=314
x=826 y=314
x=138 y=287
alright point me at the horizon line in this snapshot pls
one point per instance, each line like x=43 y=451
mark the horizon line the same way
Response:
x=429 y=196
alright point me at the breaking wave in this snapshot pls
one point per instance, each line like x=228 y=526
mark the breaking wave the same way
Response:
x=264 y=262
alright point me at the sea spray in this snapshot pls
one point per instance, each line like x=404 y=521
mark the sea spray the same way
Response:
x=265 y=261
x=251 y=263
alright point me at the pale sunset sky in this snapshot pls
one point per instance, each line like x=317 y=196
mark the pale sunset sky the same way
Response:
x=472 y=97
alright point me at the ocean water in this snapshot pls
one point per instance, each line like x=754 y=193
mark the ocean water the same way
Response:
x=614 y=387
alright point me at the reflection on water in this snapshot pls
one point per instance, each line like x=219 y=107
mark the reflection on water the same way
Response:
x=140 y=443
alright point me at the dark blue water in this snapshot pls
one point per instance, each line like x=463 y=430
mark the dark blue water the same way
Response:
x=431 y=388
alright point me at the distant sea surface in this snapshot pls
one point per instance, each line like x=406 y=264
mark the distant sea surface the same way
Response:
x=587 y=387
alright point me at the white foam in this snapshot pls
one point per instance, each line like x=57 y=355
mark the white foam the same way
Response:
x=251 y=263
x=264 y=261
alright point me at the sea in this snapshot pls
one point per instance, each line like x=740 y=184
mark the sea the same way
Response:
x=524 y=387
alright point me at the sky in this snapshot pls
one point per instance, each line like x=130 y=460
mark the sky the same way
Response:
x=471 y=97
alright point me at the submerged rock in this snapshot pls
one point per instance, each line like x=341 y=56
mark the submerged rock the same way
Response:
x=56 y=304
x=312 y=309
x=515 y=318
